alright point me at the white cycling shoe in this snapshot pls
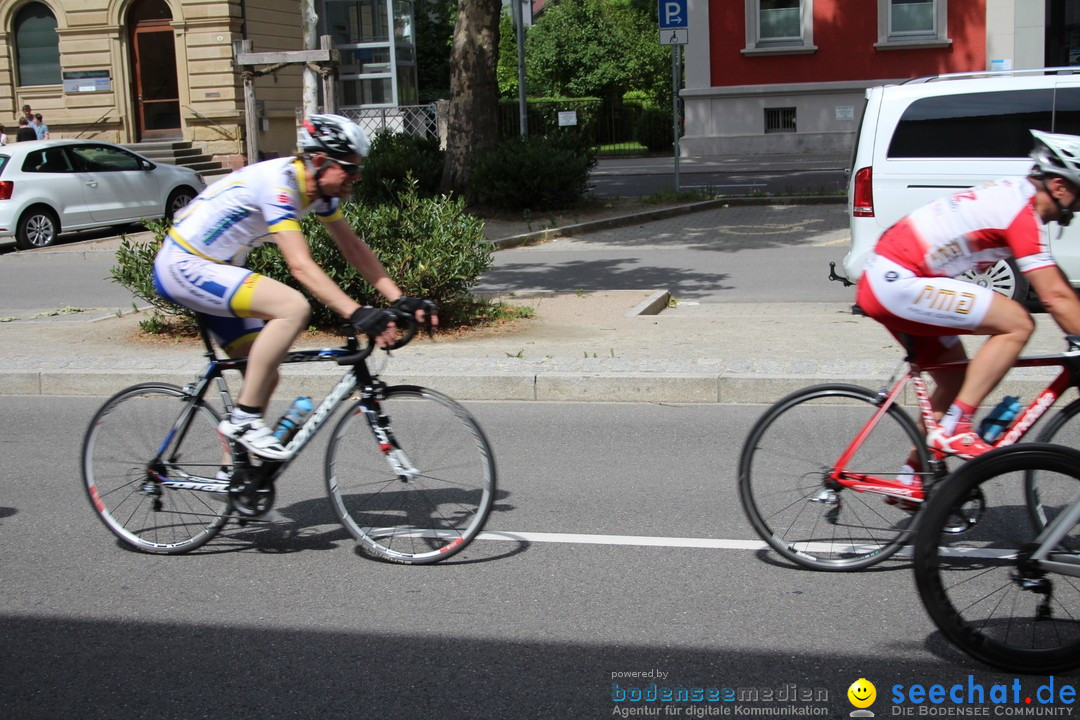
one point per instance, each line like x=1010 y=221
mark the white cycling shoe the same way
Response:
x=256 y=437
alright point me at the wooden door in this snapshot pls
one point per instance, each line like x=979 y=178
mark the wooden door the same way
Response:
x=157 y=92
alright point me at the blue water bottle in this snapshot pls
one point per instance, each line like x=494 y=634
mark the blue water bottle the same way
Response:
x=993 y=425
x=291 y=421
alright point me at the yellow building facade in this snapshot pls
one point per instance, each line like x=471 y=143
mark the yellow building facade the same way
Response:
x=131 y=71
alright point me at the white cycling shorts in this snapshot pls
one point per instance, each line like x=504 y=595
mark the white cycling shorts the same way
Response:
x=218 y=292
x=907 y=303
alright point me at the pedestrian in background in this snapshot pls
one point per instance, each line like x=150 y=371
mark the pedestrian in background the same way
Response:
x=40 y=127
x=3 y=137
x=29 y=115
x=25 y=132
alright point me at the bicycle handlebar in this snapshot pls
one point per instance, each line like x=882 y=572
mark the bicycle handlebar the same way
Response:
x=402 y=319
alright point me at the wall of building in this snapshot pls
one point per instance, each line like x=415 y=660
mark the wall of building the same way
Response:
x=93 y=35
x=727 y=91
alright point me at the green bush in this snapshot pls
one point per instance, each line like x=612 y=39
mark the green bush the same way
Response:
x=395 y=159
x=654 y=130
x=534 y=173
x=431 y=247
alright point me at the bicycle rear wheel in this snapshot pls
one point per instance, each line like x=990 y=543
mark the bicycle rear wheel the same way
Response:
x=437 y=497
x=127 y=432
x=975 y=586
x=785 y=466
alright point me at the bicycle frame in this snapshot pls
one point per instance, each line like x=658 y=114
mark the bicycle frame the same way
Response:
x=1045 y=558
x=1069 y=362
x=357 y=375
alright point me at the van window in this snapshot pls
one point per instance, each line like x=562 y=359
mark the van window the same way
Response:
x=1067 y=110
x=983 y=125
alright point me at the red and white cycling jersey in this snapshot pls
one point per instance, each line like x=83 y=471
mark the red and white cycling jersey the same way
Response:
x=971 y=229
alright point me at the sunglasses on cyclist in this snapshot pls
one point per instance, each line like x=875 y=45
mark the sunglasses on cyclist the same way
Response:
x=350 y=169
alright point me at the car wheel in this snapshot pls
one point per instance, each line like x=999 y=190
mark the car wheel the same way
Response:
x=1002 y=277
x=37 y=228
x=178 y=199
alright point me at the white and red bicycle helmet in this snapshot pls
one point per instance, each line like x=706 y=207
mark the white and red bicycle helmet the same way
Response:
x=333 y=135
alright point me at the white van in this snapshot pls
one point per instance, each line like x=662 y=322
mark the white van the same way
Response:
x=931 y=136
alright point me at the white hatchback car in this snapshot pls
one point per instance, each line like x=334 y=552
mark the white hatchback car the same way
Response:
x=52 y=186
x=929 y=137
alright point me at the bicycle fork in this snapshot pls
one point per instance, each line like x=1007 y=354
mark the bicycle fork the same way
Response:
x=399 y=462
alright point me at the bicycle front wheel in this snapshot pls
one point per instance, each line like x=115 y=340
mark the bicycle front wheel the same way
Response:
x=411 y=477
x=784 y=472
x=977 y=586
x=129 y=496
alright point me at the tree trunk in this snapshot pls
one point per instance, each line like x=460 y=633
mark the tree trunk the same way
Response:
x=472 y=119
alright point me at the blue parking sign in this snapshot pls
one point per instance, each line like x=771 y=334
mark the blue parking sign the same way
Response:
x=673 y=14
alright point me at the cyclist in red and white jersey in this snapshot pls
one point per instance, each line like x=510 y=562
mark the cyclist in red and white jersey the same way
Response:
x=908 y=285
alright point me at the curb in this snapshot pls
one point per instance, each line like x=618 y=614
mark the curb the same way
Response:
x=546 y=235
x=542 y=386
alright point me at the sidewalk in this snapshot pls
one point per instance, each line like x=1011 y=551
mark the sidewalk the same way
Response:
x=616 y=346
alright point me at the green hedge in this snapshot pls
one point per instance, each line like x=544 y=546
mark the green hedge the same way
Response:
x=395 y=160
x=534 y=173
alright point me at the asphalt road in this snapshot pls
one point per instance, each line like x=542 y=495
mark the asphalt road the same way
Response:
x=288 y=621
x=619 y=182
x=734 y=254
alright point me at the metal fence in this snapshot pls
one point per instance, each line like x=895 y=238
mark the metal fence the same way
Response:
x=608 y=127
x=421 y=120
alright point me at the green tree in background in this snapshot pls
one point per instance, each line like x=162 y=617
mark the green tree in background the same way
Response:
x=434 y=32
x=597 y=48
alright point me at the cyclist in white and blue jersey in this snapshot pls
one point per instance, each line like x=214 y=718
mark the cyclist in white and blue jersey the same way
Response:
x=201 y=263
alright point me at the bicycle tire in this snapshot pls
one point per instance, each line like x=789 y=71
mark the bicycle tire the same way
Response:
x=434 y=514
x=123 y=437
x=787 y=457
x=1060 y=430
x=969 y=582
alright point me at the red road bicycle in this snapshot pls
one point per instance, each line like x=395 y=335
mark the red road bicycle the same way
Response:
x=819 y=471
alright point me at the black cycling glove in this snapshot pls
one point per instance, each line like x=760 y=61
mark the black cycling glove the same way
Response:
x=370 y=321
x=410 y=305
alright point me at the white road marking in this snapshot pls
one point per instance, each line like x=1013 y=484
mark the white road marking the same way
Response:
x=633 y=540
x=708 y=543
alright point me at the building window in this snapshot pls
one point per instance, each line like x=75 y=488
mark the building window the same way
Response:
x=779 y=26
x=907 y=23
x=37 y=46
x=780 y=120
x=378 y=50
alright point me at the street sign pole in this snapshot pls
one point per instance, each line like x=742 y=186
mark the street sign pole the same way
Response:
x=676 y=52
x=674 y=31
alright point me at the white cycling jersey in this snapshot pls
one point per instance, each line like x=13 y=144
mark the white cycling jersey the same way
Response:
x=243 y=210
x=971 y=228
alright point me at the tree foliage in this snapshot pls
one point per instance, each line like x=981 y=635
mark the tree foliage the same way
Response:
x=600 y=48
x=434 y=32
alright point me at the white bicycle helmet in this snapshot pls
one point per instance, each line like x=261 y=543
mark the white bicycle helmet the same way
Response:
x=1057 y=154
x=333 y=135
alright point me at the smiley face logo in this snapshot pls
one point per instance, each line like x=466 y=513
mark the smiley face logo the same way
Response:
x=862 y=693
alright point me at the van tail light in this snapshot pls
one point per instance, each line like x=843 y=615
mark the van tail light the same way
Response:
x=862 y=201
x=6 y=188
